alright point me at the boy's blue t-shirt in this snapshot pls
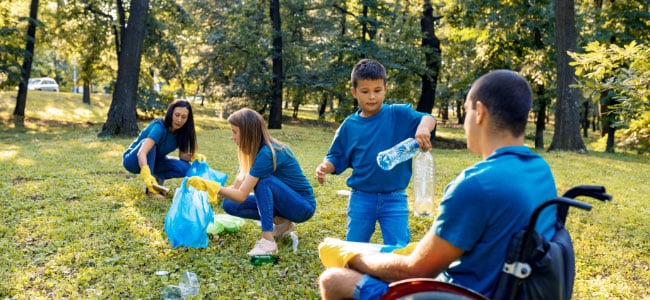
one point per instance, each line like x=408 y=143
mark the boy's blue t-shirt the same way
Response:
x=358 y=141
x=287 y=169
x=488 y=203
x=158 y=132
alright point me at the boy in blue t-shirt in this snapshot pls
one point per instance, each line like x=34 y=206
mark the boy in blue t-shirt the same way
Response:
x=377 y=195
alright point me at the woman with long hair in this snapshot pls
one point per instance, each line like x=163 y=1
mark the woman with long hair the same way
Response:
x=282 y=194
x=148 y=152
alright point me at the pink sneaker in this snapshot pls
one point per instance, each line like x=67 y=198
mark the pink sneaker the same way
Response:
x=264 y=246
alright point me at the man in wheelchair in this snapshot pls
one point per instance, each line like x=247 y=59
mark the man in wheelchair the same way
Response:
x=480 y=210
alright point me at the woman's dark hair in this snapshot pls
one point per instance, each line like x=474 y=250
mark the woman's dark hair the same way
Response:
x=186 y=135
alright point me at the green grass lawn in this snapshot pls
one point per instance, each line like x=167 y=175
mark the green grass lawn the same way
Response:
x=76 y=225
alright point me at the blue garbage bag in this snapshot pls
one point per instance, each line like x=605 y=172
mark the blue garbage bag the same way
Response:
x=188 y=217
x=201 y=169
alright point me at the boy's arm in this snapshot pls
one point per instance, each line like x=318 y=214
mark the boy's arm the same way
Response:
x=423 y=132
x=323 y=169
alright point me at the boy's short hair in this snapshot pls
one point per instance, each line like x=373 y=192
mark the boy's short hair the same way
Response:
x=367 y=69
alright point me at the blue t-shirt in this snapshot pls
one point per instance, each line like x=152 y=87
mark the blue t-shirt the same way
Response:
x=358 y=141
x=488 y=203
x=158 y=132
x=287 y=169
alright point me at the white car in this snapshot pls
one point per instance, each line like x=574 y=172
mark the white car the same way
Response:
x=43 y=84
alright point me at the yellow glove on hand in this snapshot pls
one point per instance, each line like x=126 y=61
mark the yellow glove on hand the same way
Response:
x=205 y=185
x=406 y=250
x=149 y=180
x=198 y=156
x=335 y=253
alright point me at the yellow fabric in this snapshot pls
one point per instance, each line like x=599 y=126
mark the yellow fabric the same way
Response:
x=333 y=253
x=149 y=180
x=205 y=185
x=198 y=156
x=406 y=250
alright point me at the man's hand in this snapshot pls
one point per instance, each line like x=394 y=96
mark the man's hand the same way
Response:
x=335 y=253
x=205 y=185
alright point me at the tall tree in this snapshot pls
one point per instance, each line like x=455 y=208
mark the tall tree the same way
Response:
x=567 y=115
x=275 y=117
x=432 y=52
x=21 y=99
x=122 y=118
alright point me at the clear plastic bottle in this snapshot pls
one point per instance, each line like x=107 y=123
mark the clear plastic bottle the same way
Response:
x=423 y=184
x=401 y=152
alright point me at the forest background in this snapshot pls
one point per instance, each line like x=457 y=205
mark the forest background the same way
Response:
x=588 y=63
x=586 y=60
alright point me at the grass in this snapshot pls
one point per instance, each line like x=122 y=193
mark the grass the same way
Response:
x=77 y=225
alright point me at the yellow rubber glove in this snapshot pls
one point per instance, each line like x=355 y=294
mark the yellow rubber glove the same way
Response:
x=407 y=249
x=198 y=156
x=149 y=180
x=335 y=253
x=205 y=185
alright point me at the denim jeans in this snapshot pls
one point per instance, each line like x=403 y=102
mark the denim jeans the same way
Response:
x=272 y=198
x=390 y=209
x=162 y=167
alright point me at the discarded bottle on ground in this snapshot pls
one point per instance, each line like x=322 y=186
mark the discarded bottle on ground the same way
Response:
x=187 y=288
x=260 y=259
x=423 y=184
x=401 y=152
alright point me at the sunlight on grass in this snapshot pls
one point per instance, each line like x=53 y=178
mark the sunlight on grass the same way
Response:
x=76 y=225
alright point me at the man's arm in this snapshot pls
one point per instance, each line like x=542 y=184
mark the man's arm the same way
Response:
x=431 y=256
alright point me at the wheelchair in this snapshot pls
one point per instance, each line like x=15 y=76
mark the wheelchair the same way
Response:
x=534 y=268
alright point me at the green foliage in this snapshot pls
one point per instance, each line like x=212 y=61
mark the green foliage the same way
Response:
x=637 y=137
x=622 y=72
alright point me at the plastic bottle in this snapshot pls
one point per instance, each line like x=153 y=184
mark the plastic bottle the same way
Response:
x=187 y=288
x=260 y=259
x=401 y=152
x=423 y=184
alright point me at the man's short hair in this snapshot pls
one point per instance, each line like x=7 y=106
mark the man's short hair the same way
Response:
x=507 y=97
x=367 y=69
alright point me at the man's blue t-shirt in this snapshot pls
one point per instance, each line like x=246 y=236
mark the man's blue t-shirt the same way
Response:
x=158 y=132
x=488 y=203
x=358 y=141
x=287 y=169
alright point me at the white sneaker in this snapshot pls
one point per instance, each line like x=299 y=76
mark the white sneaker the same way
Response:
x=264 y=246
x=284 y=229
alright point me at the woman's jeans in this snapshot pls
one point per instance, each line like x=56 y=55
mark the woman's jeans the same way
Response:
x=272 y=198
x=162 y=167
x=390 y=209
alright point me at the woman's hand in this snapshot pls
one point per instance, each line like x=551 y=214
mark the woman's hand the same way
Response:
x=186 y=156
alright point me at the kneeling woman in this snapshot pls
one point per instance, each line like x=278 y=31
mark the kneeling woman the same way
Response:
x=282 y=193
x=148 y=152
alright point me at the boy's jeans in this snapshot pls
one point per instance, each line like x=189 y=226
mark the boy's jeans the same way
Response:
x=390 y=209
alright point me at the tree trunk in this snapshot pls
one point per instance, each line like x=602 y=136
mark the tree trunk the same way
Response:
x=540 y=120
x=86 y=94
x=122 y=118
x=21 y=98
x=275 y=116
x=322 y=106
x=431 y=49
x=609 y=148
x=567 y=116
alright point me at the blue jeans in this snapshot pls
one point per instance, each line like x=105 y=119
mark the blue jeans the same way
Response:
x=390 y=209
x=162 y=167
x=272 y=198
